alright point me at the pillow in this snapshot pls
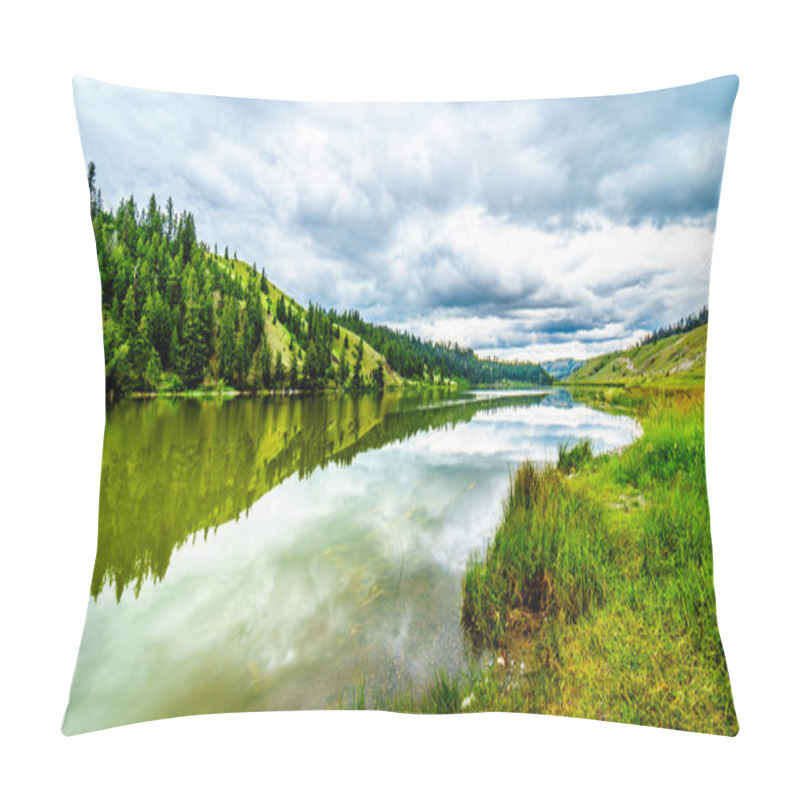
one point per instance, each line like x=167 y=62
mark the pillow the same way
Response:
x=404 y=407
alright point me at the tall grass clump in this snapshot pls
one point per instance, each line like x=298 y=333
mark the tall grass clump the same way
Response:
x=548 y=555
x=573 y=458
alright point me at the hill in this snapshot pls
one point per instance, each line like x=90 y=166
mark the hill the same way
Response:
x=178 y=317
x=561 y=368
x=282 y=340
x=416 y=358
x=680 y=358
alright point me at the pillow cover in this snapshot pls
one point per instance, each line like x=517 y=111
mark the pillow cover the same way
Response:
x=332 y=332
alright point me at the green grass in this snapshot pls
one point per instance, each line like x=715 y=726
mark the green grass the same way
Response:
x=679 y=359
x=547 y=556
x=442 y=696
x=281 y=340
x=573 y=458
x=598 y=587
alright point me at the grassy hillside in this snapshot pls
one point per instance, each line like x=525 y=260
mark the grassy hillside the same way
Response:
x=427 y=361
x=282 y=341
x=178 y=318
x=675 y=359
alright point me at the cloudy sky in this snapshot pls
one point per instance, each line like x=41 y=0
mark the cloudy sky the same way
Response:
x=526 y=230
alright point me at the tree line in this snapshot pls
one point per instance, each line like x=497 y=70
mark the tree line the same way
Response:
x=177 y=316
x=683 y=325
x=416 y=358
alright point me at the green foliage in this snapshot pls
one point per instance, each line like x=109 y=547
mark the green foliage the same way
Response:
x=344 y=371
x=265 y=371
x=664 y=358
x=357 y=379
x=547 y=556
x=618 y=603
x=573 y=458
x=377 y=377
x=684 y=325
x=172 y=314
x=442 y=696
x=172 y=309
x=415 y=358
x=598 y=589
x=280 y=372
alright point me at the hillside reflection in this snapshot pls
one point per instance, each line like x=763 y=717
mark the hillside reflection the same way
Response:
x=175 y=470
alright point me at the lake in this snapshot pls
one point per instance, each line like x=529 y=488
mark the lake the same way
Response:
x=272 y=553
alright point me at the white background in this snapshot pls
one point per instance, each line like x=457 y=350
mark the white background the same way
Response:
x=52 y=386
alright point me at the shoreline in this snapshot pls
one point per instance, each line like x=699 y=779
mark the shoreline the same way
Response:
x=230 y=392
x=611 y=616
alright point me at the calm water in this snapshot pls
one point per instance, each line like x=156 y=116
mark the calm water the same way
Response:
x=269 y=554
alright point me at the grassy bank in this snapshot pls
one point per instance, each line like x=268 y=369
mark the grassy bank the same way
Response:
x=596 y=596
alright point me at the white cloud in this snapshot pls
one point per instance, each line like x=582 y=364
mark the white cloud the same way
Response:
x=525 y=230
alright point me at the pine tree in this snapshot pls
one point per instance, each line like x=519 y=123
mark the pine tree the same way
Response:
x=187 y=238
x=344 y=372
x=153 y=218
x=95 y=204
x=265 y=365
x=227 y=341
x=142 y=354
x=377 y=377
x=243 y=360
x=357 y=381
x=174 y=349
x=129 y=325
x=170 y=220
x=311 y=377
x=193 y=351
x=280 y=371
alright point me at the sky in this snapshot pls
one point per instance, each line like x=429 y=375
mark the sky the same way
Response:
x=527 y=230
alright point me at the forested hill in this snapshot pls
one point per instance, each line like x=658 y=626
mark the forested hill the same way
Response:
x=414 y=357
x=179 y=316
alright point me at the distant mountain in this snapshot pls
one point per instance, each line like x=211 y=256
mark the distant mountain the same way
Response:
x=679 y=358
x=561 y=368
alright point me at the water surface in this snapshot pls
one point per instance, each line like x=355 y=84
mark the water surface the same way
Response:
x=270 y=553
